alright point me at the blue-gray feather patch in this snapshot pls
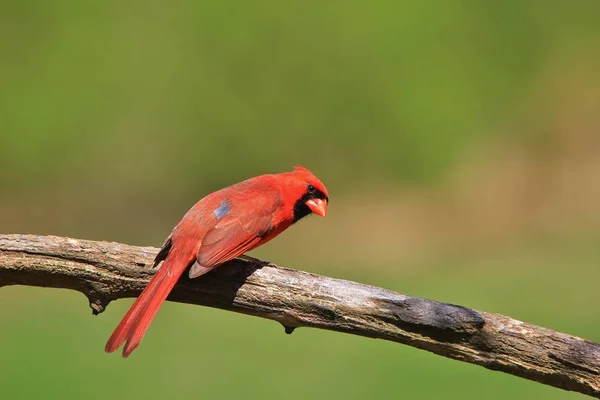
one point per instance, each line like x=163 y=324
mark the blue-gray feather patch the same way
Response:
x=222 y=210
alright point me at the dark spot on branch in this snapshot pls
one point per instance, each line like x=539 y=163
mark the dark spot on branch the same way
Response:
x=413 y=313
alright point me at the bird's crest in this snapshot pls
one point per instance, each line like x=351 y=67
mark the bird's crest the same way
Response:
x=300 y=168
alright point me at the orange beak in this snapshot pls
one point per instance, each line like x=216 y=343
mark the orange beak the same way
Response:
x=317 y=206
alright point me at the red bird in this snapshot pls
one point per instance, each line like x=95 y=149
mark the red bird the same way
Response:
x=218 y=228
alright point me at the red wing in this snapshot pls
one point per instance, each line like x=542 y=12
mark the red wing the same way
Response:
x=233 y=236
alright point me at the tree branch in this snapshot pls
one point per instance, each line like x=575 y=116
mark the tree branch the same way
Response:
x=107 y=271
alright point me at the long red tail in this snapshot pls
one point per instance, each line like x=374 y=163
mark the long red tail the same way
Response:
x=134 y=324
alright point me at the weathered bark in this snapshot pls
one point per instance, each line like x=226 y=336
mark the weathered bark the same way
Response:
x=107 y=271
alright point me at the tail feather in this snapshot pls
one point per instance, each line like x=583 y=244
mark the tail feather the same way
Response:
x=146 y=316
x=135 y=323
x=121 y=332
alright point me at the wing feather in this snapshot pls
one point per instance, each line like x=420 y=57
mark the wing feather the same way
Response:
x=239 y=232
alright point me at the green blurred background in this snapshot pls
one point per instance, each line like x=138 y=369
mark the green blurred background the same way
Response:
x=459 y=141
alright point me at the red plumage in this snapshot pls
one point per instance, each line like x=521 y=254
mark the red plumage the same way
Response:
x=223 y=225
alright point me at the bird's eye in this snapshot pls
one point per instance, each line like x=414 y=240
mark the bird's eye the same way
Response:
x=311 y=189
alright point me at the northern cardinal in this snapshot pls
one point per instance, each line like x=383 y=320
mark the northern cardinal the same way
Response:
x=223 y=225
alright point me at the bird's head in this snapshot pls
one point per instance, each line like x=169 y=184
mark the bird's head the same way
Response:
x=309 y=194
